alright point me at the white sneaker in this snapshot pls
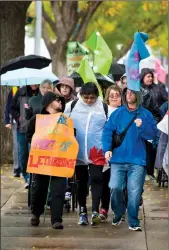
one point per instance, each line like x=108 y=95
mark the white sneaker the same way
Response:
x=26 y=185
x=135 y=228
x=67 y=196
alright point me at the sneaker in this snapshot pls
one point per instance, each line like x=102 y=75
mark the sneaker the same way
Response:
x=103 y=214
x=16 y=175
x=57 y=225
x=135 y=229
x=26 y=185
x=35 y=221
x=152 y=177
x=67 y=196
x=116 y=221
x=123 y=217
x=95 y=219
x=83 y=220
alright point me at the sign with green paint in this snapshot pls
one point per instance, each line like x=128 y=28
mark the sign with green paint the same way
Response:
x=75 y=53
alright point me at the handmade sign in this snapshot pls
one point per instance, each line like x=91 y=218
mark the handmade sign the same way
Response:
x=54 y=148
x=137 y=53
x=74 y=55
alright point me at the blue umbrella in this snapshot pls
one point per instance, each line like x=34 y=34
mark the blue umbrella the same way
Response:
x=26 y=76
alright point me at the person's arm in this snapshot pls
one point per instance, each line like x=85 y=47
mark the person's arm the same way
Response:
x=107 y=134
x=15 y=110
x=164 y=109
x=28 y=111
x=148 y=128
x=67 y=110
x=7 y=111
x=30 y=129
x=164 y=94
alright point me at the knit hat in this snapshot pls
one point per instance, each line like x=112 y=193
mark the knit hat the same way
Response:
x=50 y=97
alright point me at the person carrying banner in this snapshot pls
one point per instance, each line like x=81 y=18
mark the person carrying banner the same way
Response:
x=51 y=104
x=128 y=158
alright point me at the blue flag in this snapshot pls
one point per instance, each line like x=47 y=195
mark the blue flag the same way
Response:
x=137 y=53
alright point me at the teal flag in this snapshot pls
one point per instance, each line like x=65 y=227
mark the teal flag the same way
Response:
x=137 y=53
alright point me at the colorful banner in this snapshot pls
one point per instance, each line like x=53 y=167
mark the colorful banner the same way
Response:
x=54 y=148
x=75 y=53
x=137 y=53
x=160 y=71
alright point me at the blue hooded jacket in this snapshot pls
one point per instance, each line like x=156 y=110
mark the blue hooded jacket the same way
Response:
x=133 y=149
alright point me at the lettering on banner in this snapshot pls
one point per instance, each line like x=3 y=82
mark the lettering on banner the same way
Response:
x=43 y=144
x=51 y=161
x=64 y=146
x=62 y=120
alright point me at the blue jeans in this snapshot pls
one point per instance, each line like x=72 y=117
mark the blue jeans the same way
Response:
x=16 y=166
x=23 y=154
x=133 y=176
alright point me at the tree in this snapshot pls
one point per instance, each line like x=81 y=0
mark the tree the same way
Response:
x=118 y=21
x=66 y=22
x=12 y=19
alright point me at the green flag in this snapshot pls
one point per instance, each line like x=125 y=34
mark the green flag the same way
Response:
x=101 y=52
x=87 y=74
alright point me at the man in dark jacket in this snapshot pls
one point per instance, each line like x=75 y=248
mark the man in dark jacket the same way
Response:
x=51 y=104
x=18 y=113
x=10 y=123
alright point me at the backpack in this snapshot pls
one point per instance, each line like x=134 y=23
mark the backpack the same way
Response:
x=105 y=107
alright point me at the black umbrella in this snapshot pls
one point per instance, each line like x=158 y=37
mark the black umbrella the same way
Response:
x=104 y=81
x=117 y=70
x=31 y=61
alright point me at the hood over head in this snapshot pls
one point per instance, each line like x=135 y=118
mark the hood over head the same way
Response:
x=121 y=78
x=144 y=72
x=138 y=97
x=50 y=97
x=66 y=81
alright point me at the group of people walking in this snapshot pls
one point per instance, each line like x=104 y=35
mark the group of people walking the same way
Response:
x=112 y=135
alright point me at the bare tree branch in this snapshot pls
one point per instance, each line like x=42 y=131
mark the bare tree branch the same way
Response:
x=45 y=35
x=70 y=15
x=48 y=20
x=87 y=15
x=60 y=28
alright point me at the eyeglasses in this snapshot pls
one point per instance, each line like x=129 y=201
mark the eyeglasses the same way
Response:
x=92 y=98
x=114 y=96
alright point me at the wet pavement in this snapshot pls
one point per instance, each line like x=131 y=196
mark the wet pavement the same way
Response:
x=17 y=234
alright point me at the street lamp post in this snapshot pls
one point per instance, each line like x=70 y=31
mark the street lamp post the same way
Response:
x=38 y=27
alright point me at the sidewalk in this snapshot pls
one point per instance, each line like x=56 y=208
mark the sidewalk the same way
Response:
x=17 y=234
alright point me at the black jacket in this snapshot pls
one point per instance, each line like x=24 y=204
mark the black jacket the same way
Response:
x=157 y=92
x=17 y=106
x=149 y=103
x=35 y=106
x=47 y=99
